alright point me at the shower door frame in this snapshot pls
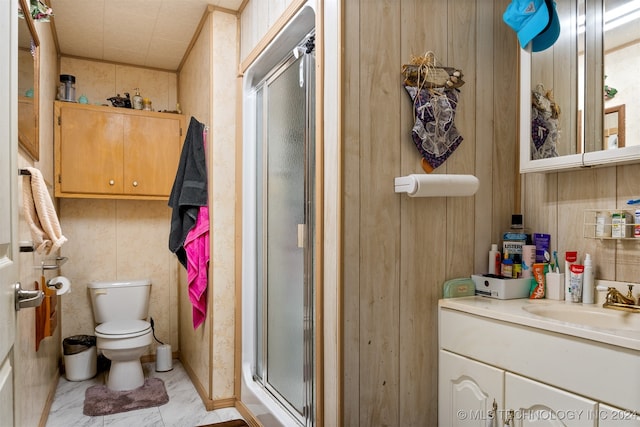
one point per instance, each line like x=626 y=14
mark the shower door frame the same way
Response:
x=307 y=417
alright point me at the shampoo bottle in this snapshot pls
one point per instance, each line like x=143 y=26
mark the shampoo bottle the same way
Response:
x=588 y=281
x=494 y=260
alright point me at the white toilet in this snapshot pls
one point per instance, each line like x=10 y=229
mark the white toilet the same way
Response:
x=123 y=334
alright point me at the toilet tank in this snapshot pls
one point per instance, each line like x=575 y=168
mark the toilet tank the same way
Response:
x=120 y=300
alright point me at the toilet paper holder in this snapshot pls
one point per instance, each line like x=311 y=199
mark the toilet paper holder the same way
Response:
x=60 y=285
x=436 y=185
x=56 y=285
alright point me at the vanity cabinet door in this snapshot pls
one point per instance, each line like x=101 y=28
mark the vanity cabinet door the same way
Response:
x=609 y=416
x=467 y=390
x=151 y=154
x=537 y=404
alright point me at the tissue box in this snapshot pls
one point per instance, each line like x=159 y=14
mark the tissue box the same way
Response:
x=500 y=287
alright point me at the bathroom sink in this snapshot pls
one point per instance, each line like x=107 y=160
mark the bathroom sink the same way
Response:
x=596 y=316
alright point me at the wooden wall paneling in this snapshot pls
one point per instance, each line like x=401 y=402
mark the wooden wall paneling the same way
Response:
x=626 y=255
x=459 y=218
x=423 y=234
x=505 y=121
x=485 y=231
x=576 y=192
x=350 y=216
x=329 y=175
x=379 y=212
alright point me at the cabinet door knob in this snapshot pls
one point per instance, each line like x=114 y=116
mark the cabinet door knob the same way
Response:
x=135 y=183
x=112 y=182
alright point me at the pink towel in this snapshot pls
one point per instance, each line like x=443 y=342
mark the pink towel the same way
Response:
x=196 y=246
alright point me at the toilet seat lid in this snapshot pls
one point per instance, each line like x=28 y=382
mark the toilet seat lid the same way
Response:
x=133 y=328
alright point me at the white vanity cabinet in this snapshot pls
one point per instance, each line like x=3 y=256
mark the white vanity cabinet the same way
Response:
x=535 y=376
x=468 y=389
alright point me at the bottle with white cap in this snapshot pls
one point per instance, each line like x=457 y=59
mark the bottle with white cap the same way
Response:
x=495 y=260
x=588 y=281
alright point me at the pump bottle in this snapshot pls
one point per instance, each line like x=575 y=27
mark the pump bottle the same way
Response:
x=587 y=281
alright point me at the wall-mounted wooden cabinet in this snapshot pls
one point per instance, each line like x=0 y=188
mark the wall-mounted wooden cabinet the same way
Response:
x=115 y=153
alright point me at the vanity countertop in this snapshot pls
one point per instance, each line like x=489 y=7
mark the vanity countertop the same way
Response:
x=515 y=311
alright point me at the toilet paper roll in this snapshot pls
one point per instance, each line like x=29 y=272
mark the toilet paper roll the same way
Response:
x=65 y=284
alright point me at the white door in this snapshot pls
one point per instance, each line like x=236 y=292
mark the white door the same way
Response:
x=467 y=391
x=8 y=200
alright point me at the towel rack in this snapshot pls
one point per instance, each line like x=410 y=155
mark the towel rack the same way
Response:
x=26 y=246
x=51 y=264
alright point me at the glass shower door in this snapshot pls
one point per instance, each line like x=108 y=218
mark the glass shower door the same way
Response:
x=285 y=235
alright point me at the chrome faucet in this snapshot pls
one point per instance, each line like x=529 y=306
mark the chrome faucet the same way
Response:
x=616 y=300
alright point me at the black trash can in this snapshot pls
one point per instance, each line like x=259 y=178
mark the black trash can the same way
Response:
x=80 y=361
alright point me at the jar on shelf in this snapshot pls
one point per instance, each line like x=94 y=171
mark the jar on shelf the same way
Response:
x=146 y=104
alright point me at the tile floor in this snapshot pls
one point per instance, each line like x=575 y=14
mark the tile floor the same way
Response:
x=184 y=409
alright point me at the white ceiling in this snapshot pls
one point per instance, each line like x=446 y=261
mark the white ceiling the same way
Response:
x=150 y=33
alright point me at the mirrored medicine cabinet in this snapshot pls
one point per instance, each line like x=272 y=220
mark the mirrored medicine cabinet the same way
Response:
x=589 y=74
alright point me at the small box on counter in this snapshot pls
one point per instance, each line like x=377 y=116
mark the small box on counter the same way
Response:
x=498 y=287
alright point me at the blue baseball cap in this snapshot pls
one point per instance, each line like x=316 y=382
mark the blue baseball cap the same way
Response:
x=533 y=21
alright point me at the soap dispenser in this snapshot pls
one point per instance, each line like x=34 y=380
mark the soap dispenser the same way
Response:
x=587 y=281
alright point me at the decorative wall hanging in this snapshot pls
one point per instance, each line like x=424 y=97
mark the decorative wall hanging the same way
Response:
x=544 y=123
x=39 y=11
x=434 y=92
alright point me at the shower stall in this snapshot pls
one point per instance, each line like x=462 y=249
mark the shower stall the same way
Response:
x=278 y=333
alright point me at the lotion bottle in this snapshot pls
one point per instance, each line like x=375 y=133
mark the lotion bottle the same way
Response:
x=588 y=281
x=495 y=260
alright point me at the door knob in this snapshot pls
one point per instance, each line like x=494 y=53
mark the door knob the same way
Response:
x=135 y=183
x=111 y=182
x=24 y=298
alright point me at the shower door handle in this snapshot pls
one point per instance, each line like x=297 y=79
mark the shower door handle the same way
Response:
x=301 y=233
